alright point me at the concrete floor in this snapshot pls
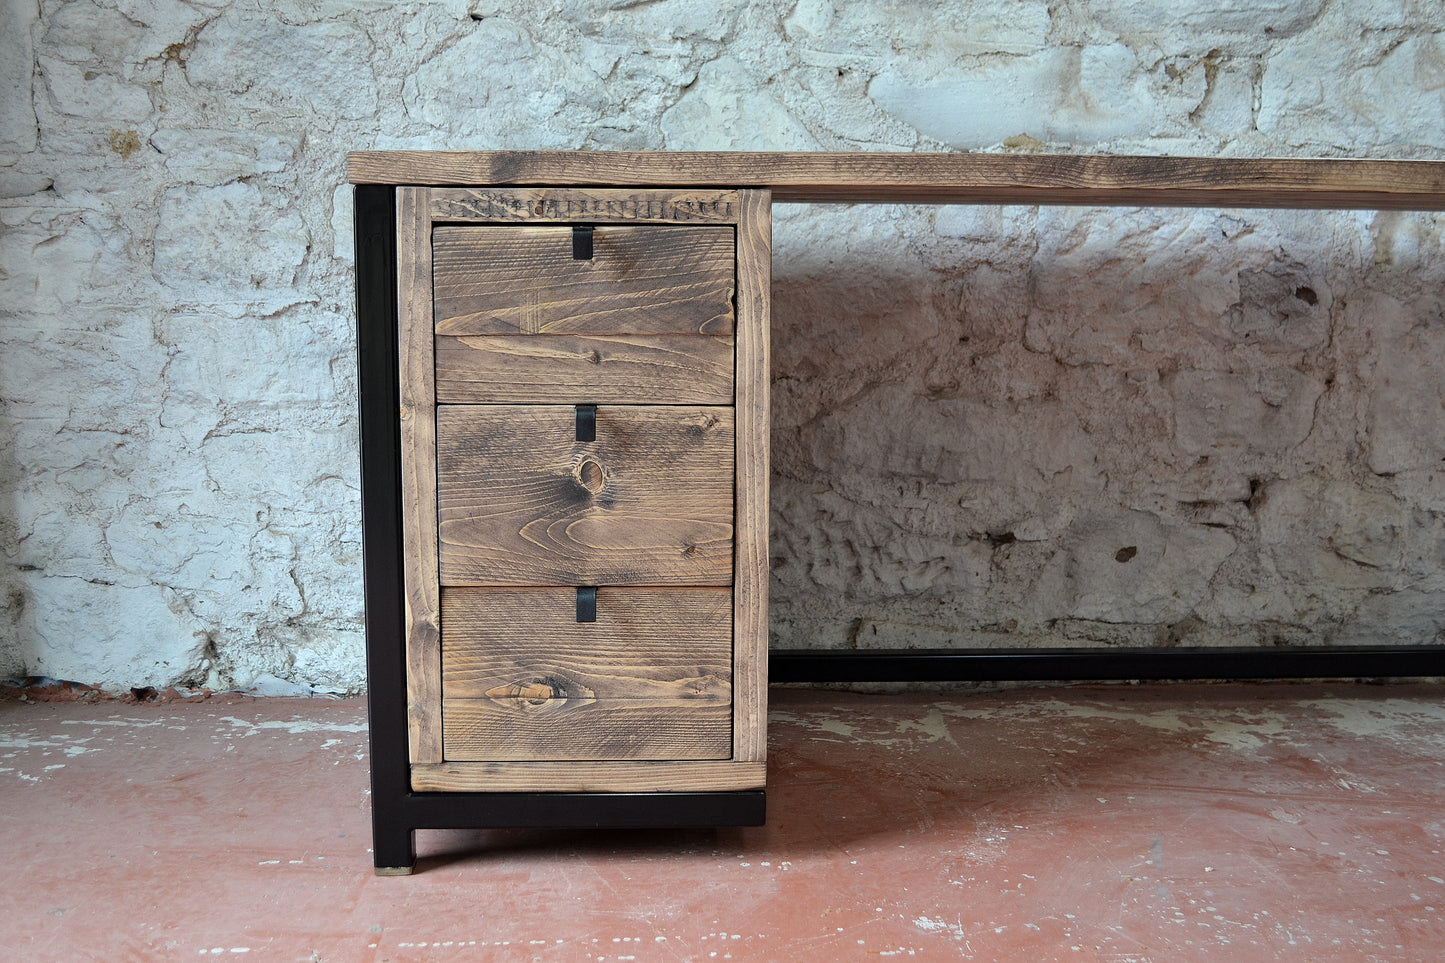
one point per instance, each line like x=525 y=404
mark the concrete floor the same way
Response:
x=1104 y=823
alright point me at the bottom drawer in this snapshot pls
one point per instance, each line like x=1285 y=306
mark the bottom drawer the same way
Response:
x=522 y=679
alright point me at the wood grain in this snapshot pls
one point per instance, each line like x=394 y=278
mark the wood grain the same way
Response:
x=750 y=575
x=640 y=280
x=418 y=476
x=525 y=645
x=523 y=680
x=585 y=369
x=943 y=178
x=521 y=502
x=686 y=776
x=514 y=205
x=483 y=730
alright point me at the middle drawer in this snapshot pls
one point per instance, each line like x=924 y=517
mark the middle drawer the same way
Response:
x=522 y=501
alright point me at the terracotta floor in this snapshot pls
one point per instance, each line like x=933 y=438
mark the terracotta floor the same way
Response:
x=1107 y=823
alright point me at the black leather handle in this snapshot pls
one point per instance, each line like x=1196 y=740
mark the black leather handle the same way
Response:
x=586 y=422
x=587 y=603
x=582 y=242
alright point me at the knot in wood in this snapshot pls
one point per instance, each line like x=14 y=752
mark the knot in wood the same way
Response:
x=590 y=475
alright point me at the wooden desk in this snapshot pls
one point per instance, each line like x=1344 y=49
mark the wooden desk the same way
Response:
x=571 y=629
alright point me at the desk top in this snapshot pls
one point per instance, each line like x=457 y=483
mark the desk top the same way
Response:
x=819 y=177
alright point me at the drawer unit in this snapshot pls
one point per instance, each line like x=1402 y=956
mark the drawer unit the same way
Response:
x=583 y=407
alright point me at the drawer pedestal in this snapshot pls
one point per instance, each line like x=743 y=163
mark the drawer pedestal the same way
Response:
x=564 y=459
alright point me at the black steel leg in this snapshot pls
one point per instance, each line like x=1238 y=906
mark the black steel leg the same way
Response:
x=376 y=345
x=393 y=848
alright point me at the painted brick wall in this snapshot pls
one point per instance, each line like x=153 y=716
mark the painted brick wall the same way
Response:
x=992 y=426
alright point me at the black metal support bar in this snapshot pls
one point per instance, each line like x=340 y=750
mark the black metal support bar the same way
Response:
x=582 y=810
x=1052 y=665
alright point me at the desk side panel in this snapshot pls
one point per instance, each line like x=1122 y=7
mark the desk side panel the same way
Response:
x=750 y=559
x=418 y=475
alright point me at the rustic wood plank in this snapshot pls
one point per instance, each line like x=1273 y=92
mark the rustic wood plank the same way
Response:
x=640 y=280
x=750 y=575
x=943 y=178
x=585 y=369
x=522 y=502
x=484 y=730
x=525 y=645
x=418 y=476
x=514 y=205
x=687 y=776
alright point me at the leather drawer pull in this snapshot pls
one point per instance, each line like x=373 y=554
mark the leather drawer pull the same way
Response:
x=587 y=603
x=582 y=242
x=586 y=422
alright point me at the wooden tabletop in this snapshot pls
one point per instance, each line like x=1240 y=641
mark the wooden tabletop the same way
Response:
x=819 y=177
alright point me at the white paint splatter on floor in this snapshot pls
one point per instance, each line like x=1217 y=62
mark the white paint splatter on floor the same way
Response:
x=929 y=925
x=1384 y=718
x=294 y=727
x=932 y=726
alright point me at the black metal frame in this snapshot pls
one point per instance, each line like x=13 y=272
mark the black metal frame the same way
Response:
x=397 y=810
x=1095 y=664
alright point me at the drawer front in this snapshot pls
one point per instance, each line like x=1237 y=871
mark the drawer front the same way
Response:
x=635 y=369
x=651 y=678
x=520 y=501
x=645 y=280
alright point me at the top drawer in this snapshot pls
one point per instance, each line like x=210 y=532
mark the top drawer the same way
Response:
x=641 y=280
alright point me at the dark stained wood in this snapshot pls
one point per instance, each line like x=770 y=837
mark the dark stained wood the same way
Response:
x=522 y=679
x=640 y=280
x=522 y=502
x=750 y=573
x=1088 y=179
x=418 y=477
x=525 y=645
x=585 y=369
x=512 y=205
x=486 y=730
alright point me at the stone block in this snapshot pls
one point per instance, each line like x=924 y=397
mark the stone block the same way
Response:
x=196 y=249
x=1405 y=420
x=19 y=129
x=1332 y=540
x=726 y=101
x=1331 y=91
x=93 y=95
x=1203 y=21
x=280 y=72
x=1059 y=94
x=1130 y=567
x=206 y=156
x=1254 y=416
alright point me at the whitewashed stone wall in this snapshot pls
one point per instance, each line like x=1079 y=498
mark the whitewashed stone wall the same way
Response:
x=992 y=426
